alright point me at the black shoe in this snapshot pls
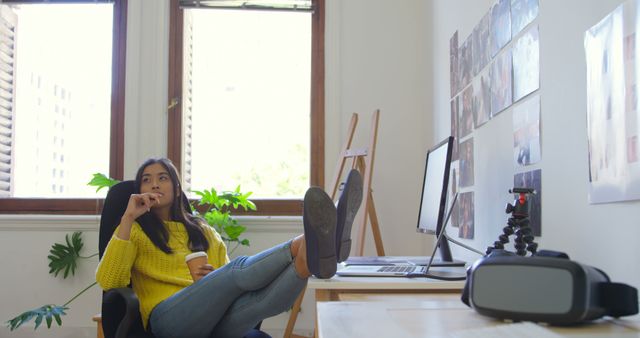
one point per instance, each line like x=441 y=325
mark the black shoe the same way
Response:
x=319 y=220
x=348 y=206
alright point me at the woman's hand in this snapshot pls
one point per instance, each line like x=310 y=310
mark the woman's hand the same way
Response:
x=140 y=204
x=203 y=270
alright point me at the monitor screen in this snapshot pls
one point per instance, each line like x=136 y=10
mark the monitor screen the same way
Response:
x=434 y=192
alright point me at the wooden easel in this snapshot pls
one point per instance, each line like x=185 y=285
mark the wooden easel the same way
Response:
x=357 y=157
x=365 y=167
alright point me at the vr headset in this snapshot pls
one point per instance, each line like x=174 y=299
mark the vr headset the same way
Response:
x=547 y=287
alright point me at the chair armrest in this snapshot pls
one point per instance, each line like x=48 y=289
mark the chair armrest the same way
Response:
x=120 y=310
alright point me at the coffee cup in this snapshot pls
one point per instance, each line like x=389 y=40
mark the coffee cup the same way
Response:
x=194 y=262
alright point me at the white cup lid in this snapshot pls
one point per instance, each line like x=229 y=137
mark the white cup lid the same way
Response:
x=195 y=255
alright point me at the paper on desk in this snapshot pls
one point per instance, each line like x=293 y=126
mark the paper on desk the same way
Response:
x=521 y=330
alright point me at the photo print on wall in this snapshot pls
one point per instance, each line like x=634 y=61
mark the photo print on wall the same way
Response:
x=466 y=164
x=453 y=63
x=500 y=25
x=501 y=89
x=481 y=48
x=465 y=111
x=532 y=179
x=482 y=98
x=465 y=64
x=526 y=64
x=523 y=12
x=612 y=117
x=454 y=127
x=526 y=132
x=453 y=188
x=466 y=215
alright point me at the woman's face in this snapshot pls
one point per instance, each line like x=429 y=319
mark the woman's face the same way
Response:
x=156 y=179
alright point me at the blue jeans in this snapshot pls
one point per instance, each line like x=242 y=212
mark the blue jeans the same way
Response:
x=231 y=300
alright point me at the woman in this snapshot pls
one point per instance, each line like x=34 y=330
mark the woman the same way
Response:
x=156 y=233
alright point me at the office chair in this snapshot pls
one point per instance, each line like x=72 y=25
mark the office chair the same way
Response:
x=120 y=307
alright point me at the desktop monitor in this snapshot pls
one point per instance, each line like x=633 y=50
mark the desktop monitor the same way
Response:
x=432 y=214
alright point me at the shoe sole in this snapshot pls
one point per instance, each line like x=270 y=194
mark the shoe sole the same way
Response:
x=319 y=220
x=348 y=206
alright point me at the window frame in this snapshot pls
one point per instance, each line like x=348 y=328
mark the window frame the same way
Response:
x=88 y=206
x=266 y=207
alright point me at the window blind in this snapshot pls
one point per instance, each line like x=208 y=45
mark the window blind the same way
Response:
x=282 y=5
x=8 y=21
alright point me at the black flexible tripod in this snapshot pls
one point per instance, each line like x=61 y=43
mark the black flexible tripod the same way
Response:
x=517 y=224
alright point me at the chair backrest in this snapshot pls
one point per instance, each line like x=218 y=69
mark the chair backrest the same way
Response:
x=114 y=206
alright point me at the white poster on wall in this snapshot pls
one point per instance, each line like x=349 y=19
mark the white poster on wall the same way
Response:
x=612 y=117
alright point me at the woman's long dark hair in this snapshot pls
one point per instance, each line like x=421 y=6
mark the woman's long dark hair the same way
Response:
x=154 y=227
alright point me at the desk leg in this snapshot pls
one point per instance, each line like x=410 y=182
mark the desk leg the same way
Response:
x=294 y=315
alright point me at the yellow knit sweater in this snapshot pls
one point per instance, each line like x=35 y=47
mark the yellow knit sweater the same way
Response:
x=155 y=275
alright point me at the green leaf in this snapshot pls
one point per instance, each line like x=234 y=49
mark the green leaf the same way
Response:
x=38 y=321
x=58 y=320
x=64 y=257
x=245 y=242
x=234 y=231
x=216 y=217
x=207 y=196
x=102 y=181
x=46 y=311
x=49 y=319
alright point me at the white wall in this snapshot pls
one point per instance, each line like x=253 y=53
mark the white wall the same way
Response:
x=379 y=60
x=604 y=236
x=377 y=57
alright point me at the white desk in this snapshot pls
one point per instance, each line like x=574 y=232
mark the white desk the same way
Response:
x=337 y=288
x=431 y=315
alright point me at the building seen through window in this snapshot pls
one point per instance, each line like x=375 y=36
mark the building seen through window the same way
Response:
x=55 y=79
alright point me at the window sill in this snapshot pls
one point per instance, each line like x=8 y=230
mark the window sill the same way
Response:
x=257 y=224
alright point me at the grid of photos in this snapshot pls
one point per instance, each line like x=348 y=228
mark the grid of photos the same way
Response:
x=493 y=68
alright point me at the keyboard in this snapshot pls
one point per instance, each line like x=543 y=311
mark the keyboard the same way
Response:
x=407 y=269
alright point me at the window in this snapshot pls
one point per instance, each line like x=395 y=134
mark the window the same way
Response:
x=251 y=90
x=79 y=39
